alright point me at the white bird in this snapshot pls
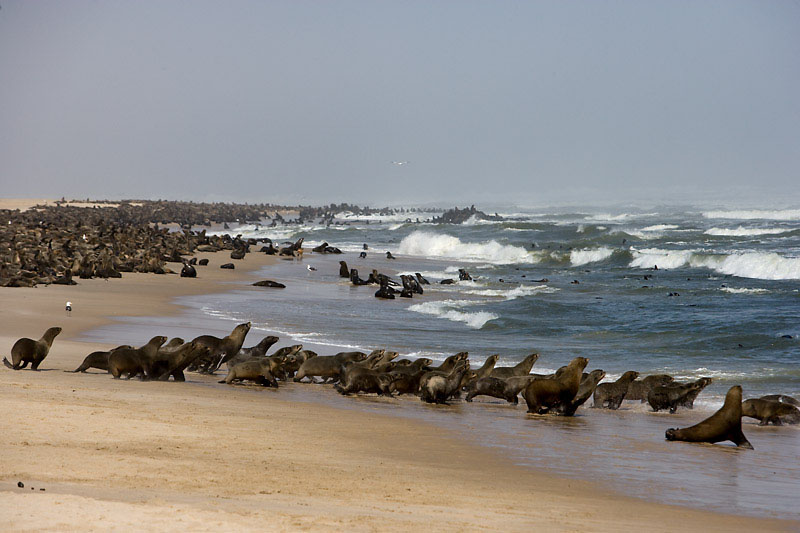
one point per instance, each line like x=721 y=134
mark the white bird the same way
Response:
x=399 y=162
x=310 y=268
x=68 y=308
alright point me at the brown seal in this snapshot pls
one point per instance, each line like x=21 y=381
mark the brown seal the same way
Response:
x=27 y=350
x=766 y=411
x=725 y=424
x=97 y=360
x=542 y=395
x=220 y=349
x=172 y=360
x=613 y=393
x=437 y=388
x=258 y=370
x=326 y=366
x=673 y=395
x=639 y=388
x=585 y=391
x=495 y=387
x=134 y=361
x=521 y=369
x=482 y=372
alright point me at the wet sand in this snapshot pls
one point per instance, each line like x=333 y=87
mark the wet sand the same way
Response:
x=201 y=456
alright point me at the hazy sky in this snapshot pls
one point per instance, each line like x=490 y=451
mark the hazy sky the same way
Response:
x=494 y=101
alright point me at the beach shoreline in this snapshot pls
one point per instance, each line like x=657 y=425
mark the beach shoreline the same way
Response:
x=242 y=457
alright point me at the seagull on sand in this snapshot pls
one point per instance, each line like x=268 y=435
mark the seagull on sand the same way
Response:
x=310 y=268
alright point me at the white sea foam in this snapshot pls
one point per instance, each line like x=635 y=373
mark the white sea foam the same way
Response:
x=745 y=232
x=756 y=214
x=583 y=257
x=650 y=257
x=758 y=265
x=449 y=309
x=743 y=290
x=426 y=244
x=660 y=227
x=516 y=292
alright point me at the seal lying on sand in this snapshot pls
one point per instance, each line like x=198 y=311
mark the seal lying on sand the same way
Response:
x=27 y=350
x=542 y=395
x=725 y=424
x=613 y=393
x=767 y=411
x=134 y=361
x=521 y=369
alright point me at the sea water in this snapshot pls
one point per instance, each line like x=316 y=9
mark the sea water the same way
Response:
x=686 y=292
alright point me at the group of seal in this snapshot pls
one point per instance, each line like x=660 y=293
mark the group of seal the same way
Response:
x=380 y=372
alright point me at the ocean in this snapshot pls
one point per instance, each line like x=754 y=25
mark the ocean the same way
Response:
x=688 y=292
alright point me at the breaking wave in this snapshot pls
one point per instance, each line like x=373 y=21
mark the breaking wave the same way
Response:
x=432 y=245
x=746 y=232
x=756 y=214
x=756 y=265
x=449 y=309
x=583 y=257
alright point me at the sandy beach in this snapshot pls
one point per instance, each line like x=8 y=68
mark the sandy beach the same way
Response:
x=198 y=456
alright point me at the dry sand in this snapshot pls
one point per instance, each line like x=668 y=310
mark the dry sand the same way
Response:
x=141 y=456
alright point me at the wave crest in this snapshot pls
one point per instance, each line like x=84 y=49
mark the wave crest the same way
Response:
x=449 y=309
x=432 y=245
x=745 y=232
x=583 y=257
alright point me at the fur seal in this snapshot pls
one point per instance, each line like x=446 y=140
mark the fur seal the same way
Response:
x=482 y=372
x=725 y=424
x=220 y=349
x=27 y=350
x=638 y=389
x=269 y=283
x=97 y=360
x=495 y=387
x=361 y=379
x=203 y=262
x=259 y=371
x=585 y=391
x=172 y=360
x=188 y=271
x=688 y=400
x=134 y=361
x=766 y=411
x=673 y=395
x=521 y=369
x=782 y=398
x=344 y=272
x=229 y=266
x=437 y=388
x=326 y=366
x=613 y=393
x=542 y=395
x=259 y=350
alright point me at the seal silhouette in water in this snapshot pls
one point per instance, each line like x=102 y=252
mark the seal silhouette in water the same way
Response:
x=725 y=424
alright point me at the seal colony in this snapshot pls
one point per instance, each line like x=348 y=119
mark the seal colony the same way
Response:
x=381 y=372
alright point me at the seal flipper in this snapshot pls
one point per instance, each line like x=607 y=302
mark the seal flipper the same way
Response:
x=740 y=440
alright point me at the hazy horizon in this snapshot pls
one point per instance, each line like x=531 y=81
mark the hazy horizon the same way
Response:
x=517 y=104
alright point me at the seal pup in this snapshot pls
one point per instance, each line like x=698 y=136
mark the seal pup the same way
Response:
x=521 y=369
x=542 y=395
x=613 y=393
x=766 y=411
x=725 y=424
x=27 y=350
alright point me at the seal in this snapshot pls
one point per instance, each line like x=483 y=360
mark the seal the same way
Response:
x=725 y=424
x=766 y=411
x=255 y=370
x=588 y=384
x=27 y=350
x=269 y=283
x=612 y=394
x=437 y=388
x=172 y=360
x=673 y=395
x=97 y=360
x=358 y=378
x=495 y=387
x=326 y=366
x=188 y=271
x=688 y=400
x=259 y=350
x=134 y=361
x=344 y=272
x=220 y=349
x=482 y=372
x=782 y=398
x=521 y=369
x=542 y=395
x=638 y=389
